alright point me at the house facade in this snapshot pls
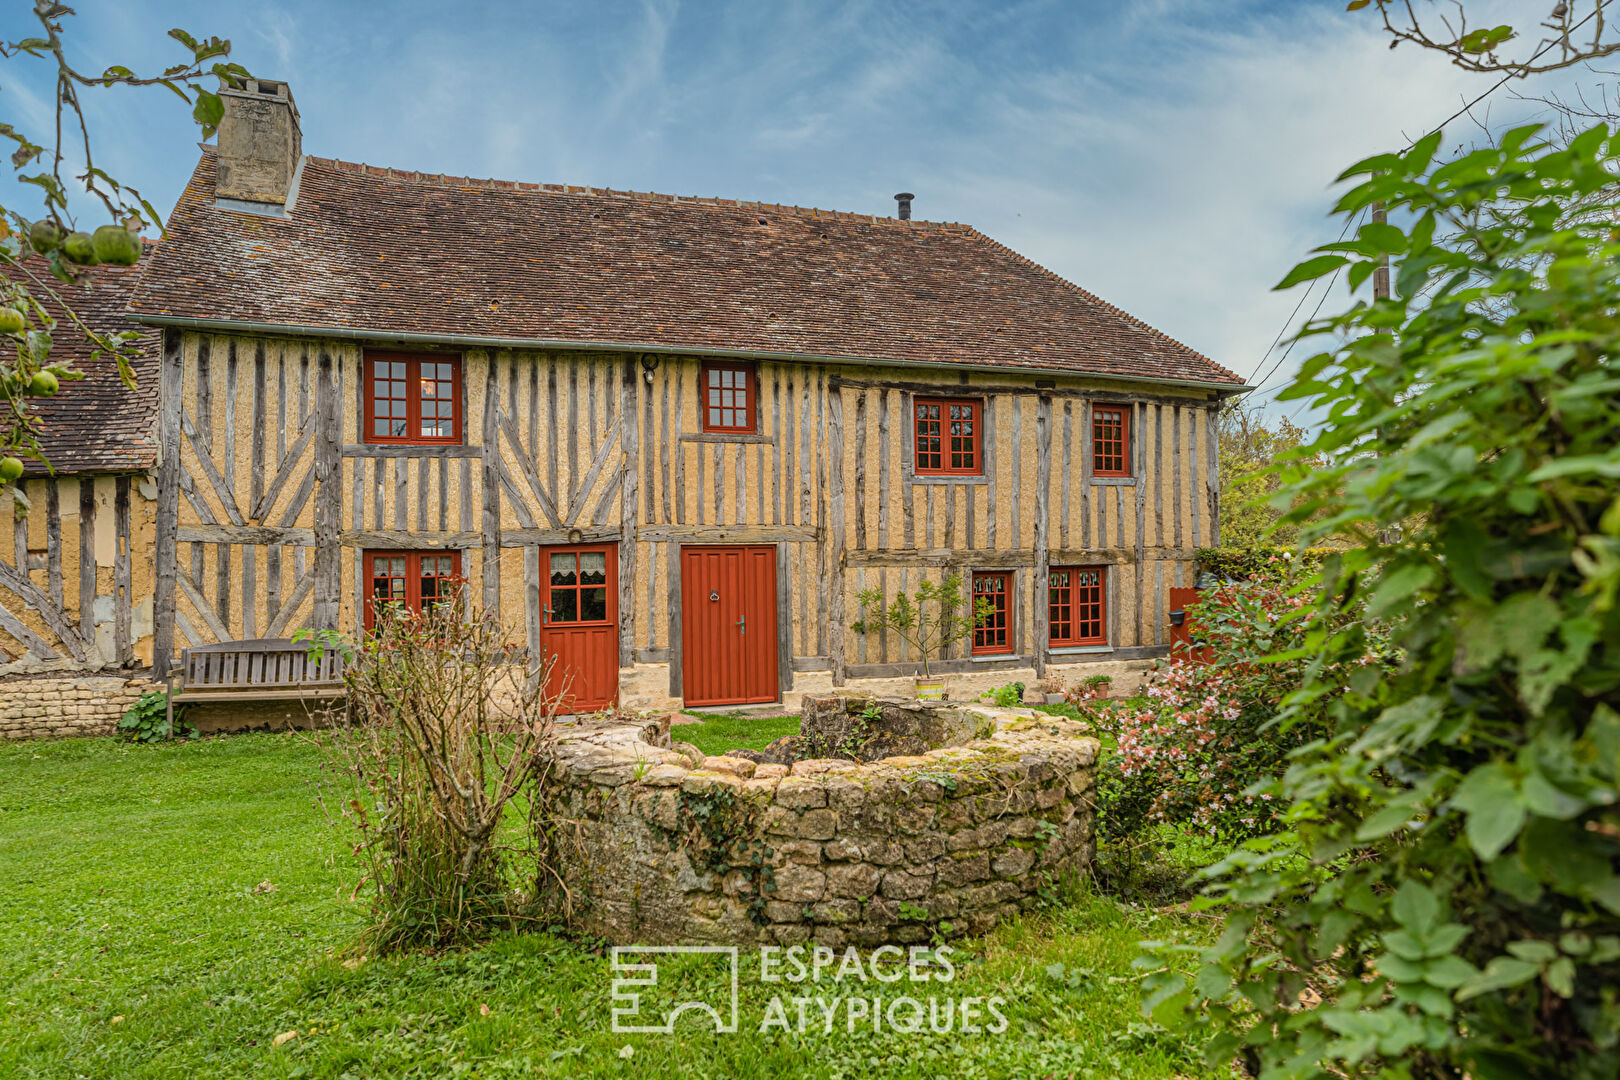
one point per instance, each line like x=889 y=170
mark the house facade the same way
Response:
x=670 y=440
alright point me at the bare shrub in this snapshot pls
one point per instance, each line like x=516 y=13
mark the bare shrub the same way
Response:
x=439 y=740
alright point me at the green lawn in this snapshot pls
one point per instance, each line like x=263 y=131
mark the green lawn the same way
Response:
x=716 y=733
x=141 y=942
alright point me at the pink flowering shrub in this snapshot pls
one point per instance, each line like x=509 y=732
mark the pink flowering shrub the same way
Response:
x=1201 y=748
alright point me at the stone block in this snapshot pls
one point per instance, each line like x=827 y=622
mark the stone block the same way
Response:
x=905 y=885
x=803 y=852
x=797 y=793
x=852 y=879
x=964 y=868
x=924 y=849
x=799 y=884
x=734 y=765
x=1013 y=863
x=780 y=911
x=836 y=912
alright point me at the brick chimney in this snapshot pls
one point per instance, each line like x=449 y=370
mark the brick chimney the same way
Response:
x=260 y=143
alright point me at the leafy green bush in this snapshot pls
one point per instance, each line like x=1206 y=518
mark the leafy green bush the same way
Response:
x=147 y=721
x=1448 y=902
x=1267 y=563
x=1007 y=697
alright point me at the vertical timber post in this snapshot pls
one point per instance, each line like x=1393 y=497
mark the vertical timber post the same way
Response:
x=165 y=549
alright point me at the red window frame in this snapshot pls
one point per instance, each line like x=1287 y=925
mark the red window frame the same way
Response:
x=410 y=386
x=1077 y=605
x=446 y=573
x=995 y=636
x=939 y=447
x=714 y=400
x=1110 y=440
x=554 y=613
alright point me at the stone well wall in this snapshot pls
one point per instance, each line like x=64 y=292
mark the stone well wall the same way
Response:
x=55 y=706
x=658 y=845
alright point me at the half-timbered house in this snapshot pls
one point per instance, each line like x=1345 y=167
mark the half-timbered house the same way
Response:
x=669 y=439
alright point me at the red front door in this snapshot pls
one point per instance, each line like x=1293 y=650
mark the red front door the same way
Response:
x=728 y=625
x=579 y=624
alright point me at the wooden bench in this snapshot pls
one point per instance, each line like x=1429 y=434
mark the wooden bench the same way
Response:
x=264 y=669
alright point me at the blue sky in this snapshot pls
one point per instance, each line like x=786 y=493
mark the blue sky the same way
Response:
x=1173 y=156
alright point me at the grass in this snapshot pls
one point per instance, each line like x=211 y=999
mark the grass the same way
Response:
x=168 y=911
x=715 y=733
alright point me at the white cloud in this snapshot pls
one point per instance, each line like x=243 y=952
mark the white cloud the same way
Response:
x=1173 y=156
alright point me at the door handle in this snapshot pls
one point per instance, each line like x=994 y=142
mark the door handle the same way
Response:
x=743 y=622
x=547 y=609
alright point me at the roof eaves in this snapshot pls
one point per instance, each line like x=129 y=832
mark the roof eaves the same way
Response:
x=1221 y=387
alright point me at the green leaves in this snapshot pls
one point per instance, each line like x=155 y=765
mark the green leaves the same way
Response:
x=1462 y=809
x=1490 y=797
x=1310 y=270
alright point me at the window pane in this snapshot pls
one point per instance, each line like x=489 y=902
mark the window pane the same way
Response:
x=564 y=605
x=379 y=427
x=593 y=568
x=379 y=367
x=593 y=604
x=397 y=370
x=564 y=566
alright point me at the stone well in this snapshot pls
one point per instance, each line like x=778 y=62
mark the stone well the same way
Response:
x=657 y=844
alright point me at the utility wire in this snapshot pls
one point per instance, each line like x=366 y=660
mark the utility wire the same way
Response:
x=1494 y=87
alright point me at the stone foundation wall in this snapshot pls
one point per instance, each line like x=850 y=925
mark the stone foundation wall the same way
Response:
x=646 y=686
x=60 y=706
x=656 y=847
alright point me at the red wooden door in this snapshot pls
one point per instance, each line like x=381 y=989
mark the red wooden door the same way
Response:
x=728 y=625
x=1181 y=645
x=579 y=624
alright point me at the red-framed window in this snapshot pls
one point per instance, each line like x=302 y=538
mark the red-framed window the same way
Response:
x=1111 y=440
x=730 y=397
x=415 y=579
x=1077 y=601
x=947 y=437
x=993 y=633
x=578 y=589
x=412 y=398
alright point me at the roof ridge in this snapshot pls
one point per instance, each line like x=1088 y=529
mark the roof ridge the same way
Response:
x=1089 y=295
x=446 y=180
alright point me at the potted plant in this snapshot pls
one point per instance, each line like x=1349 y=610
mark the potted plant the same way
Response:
x=1052 y=690
x=927 y=620
x=1097 y=686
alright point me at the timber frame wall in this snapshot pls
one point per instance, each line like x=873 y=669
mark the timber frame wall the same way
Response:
x=75 y=581
x=267 y=496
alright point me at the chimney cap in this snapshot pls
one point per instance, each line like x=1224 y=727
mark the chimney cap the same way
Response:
x=904 y=199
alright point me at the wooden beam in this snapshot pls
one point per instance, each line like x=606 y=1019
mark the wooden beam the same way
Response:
x=835 y=491
x=53 y=541
x=1043 y=526
x=629 y=505
x=328 y=471
x=396 y=450
x=491 y=490
x=123 y=584
x=87 y=557
x=1107 y=396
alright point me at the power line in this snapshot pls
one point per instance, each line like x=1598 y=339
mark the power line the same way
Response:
x=1503 y=81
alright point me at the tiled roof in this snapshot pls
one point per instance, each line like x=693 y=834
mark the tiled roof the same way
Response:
x=96 y=424
x=373 y=251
